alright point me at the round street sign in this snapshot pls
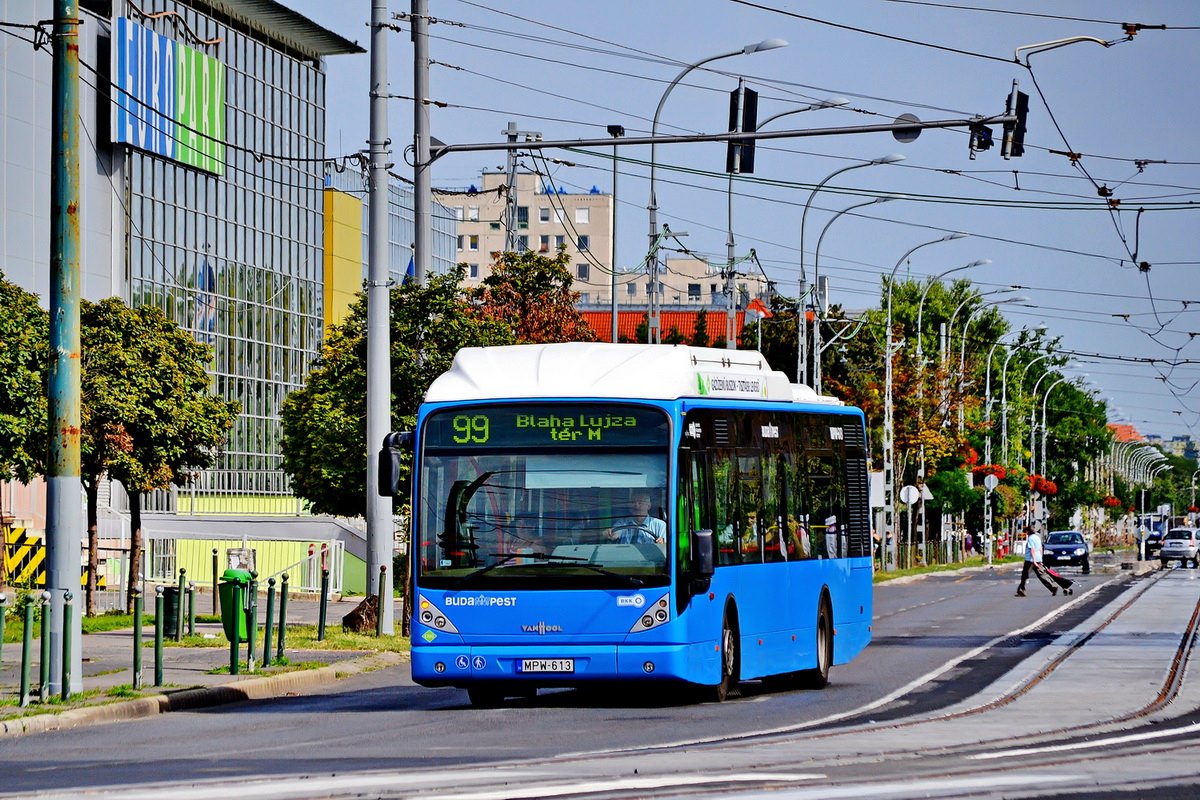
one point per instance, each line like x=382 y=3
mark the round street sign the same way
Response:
x=909 y=495
x=990 y=482
x=906 y=135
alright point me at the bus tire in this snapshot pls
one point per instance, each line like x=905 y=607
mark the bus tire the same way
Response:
x=818 y=676
x=730 y=660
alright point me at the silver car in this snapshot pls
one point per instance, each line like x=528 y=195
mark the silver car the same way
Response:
x=1180 y=544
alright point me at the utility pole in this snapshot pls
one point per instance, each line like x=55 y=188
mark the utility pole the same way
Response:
x=510 y=195
x=422 y=182
x=380 y=532
x=64 y=485
x=616 y=131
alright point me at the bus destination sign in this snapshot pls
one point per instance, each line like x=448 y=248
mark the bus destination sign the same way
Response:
x=546 y=424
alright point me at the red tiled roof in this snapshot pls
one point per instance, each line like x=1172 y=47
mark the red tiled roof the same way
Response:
x=1125 y=433
x=682 y=321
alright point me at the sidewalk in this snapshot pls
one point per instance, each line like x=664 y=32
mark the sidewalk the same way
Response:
x=189 y=680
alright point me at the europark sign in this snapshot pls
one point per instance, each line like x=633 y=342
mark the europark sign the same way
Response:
x=170 y=98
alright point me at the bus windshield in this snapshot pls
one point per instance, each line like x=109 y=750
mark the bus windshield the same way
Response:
x=563 y=496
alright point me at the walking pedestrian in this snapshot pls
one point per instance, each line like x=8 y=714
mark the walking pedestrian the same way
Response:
x=1033 y=561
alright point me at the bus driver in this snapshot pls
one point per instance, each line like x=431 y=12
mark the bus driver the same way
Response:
x=640 y=527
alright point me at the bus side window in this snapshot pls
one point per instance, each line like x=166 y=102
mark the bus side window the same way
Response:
x=724 y=474
x=750 y=497
x=775 y=538
x=800 y=543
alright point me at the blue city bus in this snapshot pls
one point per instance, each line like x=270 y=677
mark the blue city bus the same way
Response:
x=589 y=513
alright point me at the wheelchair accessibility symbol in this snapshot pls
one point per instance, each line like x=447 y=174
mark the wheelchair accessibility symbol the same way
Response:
x=479 y=662
x=462 y=662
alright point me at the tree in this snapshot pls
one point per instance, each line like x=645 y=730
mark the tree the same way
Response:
x=531 y=293
x=700 y=329
x=24 y=356
x=324 y=423
x=149 y=418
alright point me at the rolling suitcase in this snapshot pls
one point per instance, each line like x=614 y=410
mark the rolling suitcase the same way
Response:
x=1064 y=583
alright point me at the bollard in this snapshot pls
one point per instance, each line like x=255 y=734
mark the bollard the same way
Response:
x=66 y=647
x=251 y=621
x=178 y=621
x=270 y=622
x=379 y=605
x=214 y=566
x=234 y=644
x=282 y=615
x=44 y=690
x=3 y=612
x=324 y=600
x=137 y=639
x=158 y=635
x=27 y=651
x=191 y=608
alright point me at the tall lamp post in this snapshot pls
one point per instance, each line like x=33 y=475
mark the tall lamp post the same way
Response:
x=652 y=206
x=801 y=322
x=1004 y=397
x=962 y=356
x=889 y=437
x=921 y=377
x=816 y=384
x=1045 y=431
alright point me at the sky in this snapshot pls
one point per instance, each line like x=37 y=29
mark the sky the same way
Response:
x=1097 y=222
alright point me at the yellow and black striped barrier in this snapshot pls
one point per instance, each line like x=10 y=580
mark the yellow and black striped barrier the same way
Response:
x=25 y=560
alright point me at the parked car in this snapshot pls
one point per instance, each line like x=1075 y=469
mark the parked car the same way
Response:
x=1067 y=548
x=1180 y=544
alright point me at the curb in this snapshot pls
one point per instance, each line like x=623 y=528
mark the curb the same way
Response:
x=288 y=683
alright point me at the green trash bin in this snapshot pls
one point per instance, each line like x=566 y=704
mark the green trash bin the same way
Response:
x=231 y=616
x=170 y=609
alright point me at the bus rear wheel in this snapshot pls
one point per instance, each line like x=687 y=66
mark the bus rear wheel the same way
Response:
x=818 y=676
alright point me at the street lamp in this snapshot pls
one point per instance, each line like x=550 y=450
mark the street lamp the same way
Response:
x=801 y=333
x=921 y=306
x=1045 y=431
x=889 y=438
x=962 y=360
x=652 y=207
x=1004 y=397
x=817 y=284
x=1033 y=418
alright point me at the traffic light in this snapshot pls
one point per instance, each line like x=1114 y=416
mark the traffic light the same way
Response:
x=1014 y=132
x=981 y=138
x=746 y=101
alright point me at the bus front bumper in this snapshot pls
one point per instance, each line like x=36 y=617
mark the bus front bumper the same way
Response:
x=566 y=665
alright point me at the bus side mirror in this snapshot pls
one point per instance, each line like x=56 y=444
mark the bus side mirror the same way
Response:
x=704 y=553
x=391 y=463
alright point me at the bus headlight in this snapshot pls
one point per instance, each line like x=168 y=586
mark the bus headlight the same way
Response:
x=431 y=616
x=659 y=613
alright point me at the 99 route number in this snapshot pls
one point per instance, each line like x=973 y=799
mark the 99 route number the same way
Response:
x=470 y=429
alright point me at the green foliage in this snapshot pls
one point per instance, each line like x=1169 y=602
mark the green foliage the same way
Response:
x=324 y=424
x=24 y=358
x=952 y=490
x=149 y=419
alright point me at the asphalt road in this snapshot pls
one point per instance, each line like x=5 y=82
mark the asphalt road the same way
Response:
x=921 y=661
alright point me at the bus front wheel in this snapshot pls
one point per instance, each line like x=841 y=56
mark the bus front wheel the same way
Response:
x=818 y=676
x=729 y=660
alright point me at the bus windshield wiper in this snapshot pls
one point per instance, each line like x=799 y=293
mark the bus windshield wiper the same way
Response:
x=536 y=556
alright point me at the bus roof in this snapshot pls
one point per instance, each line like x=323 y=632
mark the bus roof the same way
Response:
x=600 y=369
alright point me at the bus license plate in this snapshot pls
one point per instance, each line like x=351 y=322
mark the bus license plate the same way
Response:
x=547 y=665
